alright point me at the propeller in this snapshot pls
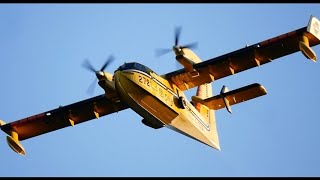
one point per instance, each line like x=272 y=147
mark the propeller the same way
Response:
x=99 y=73
x=176 y=47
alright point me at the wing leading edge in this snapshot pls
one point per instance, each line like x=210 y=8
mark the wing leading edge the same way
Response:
x=252 y=56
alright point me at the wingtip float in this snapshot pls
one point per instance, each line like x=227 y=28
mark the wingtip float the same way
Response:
x=13 y=141
x=313 y=29
x=160 y=99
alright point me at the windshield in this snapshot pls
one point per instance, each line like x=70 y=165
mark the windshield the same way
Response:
x=136 y=66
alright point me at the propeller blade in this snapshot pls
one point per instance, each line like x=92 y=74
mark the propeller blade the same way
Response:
x=160 y=52
x=86 y=64
x=92 y=86
x=190 y=46
x=177 y=35
x=177 y=32
x=110 y=59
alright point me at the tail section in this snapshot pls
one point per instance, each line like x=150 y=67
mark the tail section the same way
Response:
x=198 y=121
x=205 y=91
x=210 y=135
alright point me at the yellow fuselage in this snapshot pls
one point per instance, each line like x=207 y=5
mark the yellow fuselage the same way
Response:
x=156 y=100
x=151 y=96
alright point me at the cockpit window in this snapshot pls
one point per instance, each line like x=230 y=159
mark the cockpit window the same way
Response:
x=136 y=66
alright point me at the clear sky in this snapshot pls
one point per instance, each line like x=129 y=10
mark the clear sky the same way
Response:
x=42 y=48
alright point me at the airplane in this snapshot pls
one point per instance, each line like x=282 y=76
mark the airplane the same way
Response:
x=160 y=99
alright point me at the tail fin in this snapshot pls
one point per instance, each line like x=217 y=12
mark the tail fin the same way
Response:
x=207 y=131
x=205 y=91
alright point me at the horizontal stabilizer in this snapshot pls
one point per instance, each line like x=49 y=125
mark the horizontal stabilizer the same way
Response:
x=232 y=97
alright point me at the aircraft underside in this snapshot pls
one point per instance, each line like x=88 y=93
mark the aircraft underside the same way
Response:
x=142 y=102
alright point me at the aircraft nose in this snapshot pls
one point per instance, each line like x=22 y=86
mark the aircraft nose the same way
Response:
x=100 y=74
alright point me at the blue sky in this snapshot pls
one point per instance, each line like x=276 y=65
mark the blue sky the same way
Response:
x=42 y=48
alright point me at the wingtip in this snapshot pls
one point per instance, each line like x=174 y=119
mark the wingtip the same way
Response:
x=2 y=123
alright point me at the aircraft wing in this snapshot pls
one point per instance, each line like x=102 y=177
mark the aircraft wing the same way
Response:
x=251 y=56
x=63 y=116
